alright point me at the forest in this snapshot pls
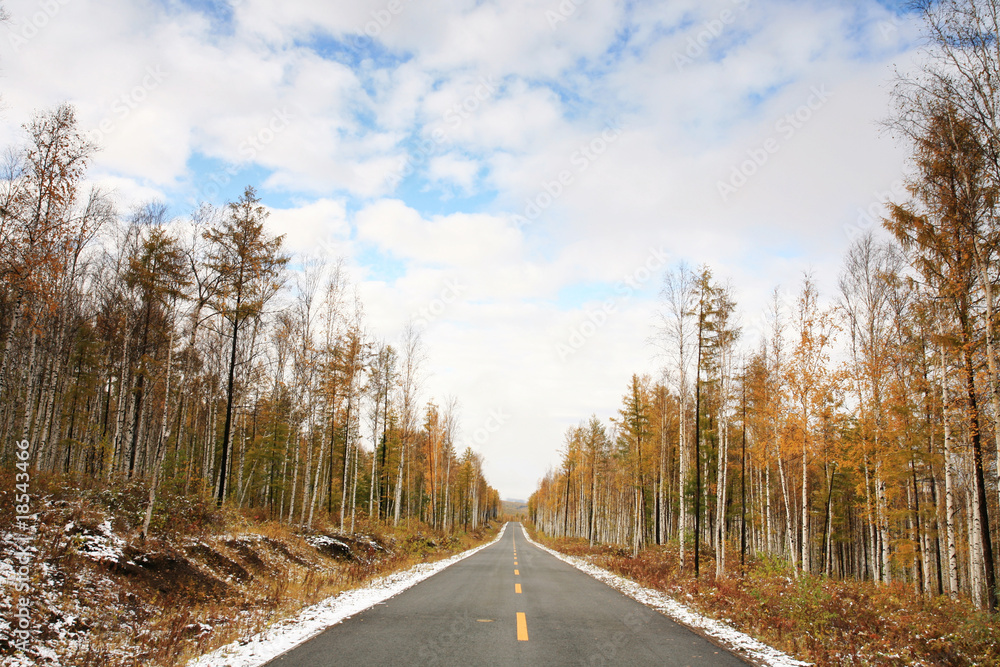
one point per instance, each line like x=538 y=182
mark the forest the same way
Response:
x=193 y=354
x=858 y=437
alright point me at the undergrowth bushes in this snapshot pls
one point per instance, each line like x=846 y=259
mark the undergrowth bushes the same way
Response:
x=824 y=621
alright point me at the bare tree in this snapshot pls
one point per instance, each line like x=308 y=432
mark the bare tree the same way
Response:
x=411 y=380
x=864 y=299
x=679 y=296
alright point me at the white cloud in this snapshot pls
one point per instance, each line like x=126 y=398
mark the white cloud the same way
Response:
x=316 y=227
x=454 y=170
x=459 y=240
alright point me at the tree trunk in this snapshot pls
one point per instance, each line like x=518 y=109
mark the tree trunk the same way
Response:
x=347 y=455
x=697 y=445
x=722 y=480
x=789 y=528
x=158 y=454
x=682 y=475
x=977 y=460
x=806 y=565
x=398 y=496
x=8 y=343
x=227 y=427
x=881 y=513
x=743 y=480
x=987 y=284
x=316 y=482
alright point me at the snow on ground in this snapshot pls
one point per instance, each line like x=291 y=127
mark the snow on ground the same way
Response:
x=725 y=634
x=102 y=546
x=319 y=541
x=286 y=635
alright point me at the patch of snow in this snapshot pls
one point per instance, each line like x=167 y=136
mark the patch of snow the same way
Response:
x=286 y=635
x=318 y=541
x=104 y=546
x=370 y=541
x=724 y=633
x=238 y=537
x=241 y=537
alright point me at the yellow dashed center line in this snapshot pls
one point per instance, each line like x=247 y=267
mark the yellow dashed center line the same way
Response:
x=522 y=627
x=522 y=622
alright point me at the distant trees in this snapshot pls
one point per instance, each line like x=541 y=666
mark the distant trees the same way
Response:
x=176 y=351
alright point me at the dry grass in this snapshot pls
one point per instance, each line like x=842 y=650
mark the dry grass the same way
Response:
x=824 y=621
x=207 y=578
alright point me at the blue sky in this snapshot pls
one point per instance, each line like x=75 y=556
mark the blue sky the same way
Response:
x=555 y=149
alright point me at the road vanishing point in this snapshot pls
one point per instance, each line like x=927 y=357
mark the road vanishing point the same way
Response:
x=508 y=604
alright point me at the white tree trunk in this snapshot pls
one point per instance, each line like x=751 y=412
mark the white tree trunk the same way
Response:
x=949 y=483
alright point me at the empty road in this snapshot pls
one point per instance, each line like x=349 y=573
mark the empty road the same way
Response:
x=509 y=604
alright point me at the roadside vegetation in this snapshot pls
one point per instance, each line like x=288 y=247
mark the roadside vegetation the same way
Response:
x=825 y=621
x=103 y=595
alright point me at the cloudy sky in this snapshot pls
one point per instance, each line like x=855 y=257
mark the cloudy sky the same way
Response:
x=513 y=175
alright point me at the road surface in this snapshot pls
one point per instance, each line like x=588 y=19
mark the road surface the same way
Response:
x=509 y=604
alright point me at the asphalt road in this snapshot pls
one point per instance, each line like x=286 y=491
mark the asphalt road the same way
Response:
x=509 y=604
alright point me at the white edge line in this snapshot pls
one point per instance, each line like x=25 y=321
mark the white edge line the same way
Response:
x=285 y=635
x=663 y=603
